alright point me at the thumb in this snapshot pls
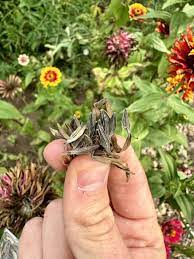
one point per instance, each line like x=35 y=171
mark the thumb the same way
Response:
x=89 y=220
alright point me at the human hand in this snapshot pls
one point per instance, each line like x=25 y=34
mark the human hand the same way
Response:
x=101 y=215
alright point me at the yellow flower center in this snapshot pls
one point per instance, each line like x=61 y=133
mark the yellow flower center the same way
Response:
x=138 y=11
x=51 y=76
x=173 y=233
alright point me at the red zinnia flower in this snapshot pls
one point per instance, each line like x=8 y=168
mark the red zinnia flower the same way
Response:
x=182 y=66
x=172 y=231
x=162 y=27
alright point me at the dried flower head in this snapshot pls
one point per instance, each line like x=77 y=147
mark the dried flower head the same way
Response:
x=96 y=137
x=172 y=231
x=10 y=87
x=119 y=46
x=24 y=193
x=182 y=66
x=136 y=10
x=50 y=76
x=23 y=60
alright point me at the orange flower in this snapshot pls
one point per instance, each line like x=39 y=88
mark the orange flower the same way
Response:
x=136 y=10
x=182 y=66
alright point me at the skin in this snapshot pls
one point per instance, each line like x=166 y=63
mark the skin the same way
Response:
x=101 y=216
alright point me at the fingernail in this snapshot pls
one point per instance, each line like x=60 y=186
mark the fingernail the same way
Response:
x=93 y=179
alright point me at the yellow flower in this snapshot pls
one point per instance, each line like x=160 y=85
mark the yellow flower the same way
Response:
x=136 y=10
x=50 y=76
x=77 y=114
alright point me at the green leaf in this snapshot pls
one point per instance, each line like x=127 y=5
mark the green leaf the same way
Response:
x=157 y=14
x=145 y=86
x=151 y=101
x=172 y=2
x=178 y=20
x=2 y=170
x=175 y=135
x=162 y=66
x=125 y=71
x=158 y=44
x=42 y=136
x=186 y=205
x=169 y=166
x=188 y=10
x=8 y=111
x=185 y=250
x=155 y=179
x=181 y=107
x=28 y=79
x=158 y=138
x=120 y=12
x=157 y=190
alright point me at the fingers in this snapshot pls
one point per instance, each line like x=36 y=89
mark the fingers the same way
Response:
x=89 y=221
x=53 y=233
x=53 y=154
x=30 y=243
x=130 y=199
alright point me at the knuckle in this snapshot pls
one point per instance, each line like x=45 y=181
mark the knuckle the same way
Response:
x=33 y=225
x=98 y=221
x=54 y=207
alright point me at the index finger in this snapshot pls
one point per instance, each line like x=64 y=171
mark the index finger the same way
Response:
x=130 y=199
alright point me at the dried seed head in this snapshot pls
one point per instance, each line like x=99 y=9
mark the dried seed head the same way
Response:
x=10 y=87
x=24 y=193
x=97 y=137
x=119 y=46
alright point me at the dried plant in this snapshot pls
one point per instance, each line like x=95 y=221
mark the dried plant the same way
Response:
x=96 y=137
x=24 y=193
x=10 y=87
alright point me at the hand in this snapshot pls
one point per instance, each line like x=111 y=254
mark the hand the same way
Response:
x=101 y=215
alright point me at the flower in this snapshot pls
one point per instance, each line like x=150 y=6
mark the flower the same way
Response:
x=24 y=193
x=168 y=251
x=50 y=76
x=86 y=52
x=136 y=10
x=181 y=69
x=23 y=60
x=172 y=231
x=10 y=87
x=119 y=46
x=77 y=114
x=162 y=27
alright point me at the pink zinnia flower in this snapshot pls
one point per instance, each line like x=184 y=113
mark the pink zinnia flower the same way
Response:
x=172 y=231
x=119 y=46
x=23 y=60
